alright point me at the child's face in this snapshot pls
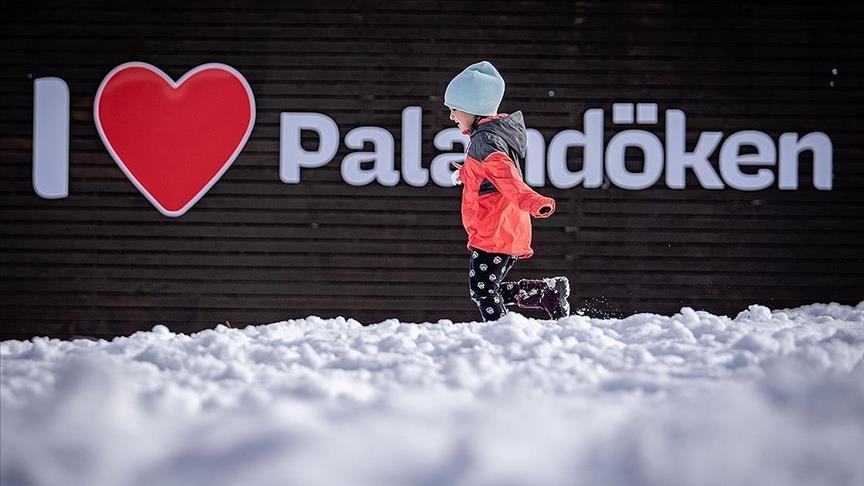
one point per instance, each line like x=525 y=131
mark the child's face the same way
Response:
x=463 y=120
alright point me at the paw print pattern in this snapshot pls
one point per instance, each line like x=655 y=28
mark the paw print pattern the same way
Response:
x=486 y=272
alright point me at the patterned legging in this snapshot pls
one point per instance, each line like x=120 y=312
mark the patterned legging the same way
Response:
x=486 y=272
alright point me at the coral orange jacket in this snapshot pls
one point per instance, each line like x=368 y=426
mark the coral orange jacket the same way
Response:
x=497 y=205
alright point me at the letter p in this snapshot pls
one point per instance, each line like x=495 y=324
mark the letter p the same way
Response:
x=292 y=155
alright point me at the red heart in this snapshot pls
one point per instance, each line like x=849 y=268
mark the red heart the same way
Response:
x=174 y=140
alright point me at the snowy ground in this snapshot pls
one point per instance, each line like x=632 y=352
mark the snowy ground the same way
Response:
x=767 y=398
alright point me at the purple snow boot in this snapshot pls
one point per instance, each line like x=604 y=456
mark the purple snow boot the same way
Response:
x=549 y=294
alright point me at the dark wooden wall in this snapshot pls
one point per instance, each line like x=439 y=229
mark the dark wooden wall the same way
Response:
x=254 y=250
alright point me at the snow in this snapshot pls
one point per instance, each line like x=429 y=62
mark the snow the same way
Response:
x=767 y=398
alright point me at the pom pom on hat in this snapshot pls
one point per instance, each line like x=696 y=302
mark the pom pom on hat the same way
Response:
x=477 y=90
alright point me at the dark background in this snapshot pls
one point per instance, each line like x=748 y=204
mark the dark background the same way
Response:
x=104 y=262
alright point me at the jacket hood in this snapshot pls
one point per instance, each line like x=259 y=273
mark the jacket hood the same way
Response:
x=511 y=128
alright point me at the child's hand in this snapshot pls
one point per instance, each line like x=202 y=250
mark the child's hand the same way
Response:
x=455 y=176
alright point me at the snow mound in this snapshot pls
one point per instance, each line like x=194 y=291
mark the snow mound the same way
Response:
x=766 y=398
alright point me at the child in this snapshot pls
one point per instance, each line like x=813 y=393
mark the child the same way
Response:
x=496 y=204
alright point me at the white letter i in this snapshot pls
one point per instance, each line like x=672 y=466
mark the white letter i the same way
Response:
x=51 y=138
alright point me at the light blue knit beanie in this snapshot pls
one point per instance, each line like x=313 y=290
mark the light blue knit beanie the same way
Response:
x=477 y=90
